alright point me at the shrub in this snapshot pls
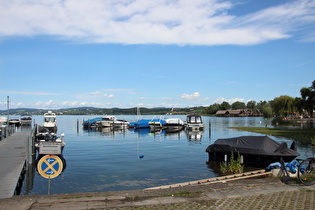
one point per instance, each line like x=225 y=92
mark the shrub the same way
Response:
x=233 y=166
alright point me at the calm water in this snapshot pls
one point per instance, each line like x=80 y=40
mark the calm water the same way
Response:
x=109 y=160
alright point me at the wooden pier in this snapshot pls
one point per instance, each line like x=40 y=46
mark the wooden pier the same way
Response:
x=13 y=161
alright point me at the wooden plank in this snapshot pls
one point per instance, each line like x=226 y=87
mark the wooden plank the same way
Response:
x=13 y=153
x=217 y=179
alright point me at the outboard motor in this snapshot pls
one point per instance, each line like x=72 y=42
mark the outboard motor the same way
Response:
x=293 y=146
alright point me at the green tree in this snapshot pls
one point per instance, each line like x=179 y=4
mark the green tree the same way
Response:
x=265 y=108
x=308 y=98
x=238 y=105
x=298 y=104
x=283 y=105
x=225 y=106
x=212 y=109
x=251 y=104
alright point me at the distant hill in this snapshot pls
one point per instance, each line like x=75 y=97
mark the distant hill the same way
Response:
x=103 y=111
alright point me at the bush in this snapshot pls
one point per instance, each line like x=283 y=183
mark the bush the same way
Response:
x=233 y=166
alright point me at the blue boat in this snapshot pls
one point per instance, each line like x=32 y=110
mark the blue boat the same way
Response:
x=145 y=123
x=91 y=122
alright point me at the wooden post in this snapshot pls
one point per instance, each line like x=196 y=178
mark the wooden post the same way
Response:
x=209 y=129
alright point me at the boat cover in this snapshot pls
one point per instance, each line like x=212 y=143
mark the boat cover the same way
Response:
x=94 y=120
x=144 y=123
x=252 y=145
x=175 y=121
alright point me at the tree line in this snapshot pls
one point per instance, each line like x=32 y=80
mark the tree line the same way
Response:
x=280 y=106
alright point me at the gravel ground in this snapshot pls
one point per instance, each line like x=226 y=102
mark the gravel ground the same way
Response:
x=253 y=193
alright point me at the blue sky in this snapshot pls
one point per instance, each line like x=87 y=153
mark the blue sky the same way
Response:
x=162 y=53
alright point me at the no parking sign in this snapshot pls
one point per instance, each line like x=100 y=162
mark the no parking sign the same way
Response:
x=50 y=166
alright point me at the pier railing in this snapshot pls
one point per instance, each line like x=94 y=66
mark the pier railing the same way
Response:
x=6 y=130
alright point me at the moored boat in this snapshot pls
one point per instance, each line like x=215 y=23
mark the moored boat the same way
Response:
x=50 y=121
x=174 y=124
x=49 y=143
x=156 y=124
x=26 y=120
x=91 y=122
x=3 y=120
x=194 y=122
x=112 y=121
x=120 y=123
x=143 y=123
x=15 y=121
x=254 y=150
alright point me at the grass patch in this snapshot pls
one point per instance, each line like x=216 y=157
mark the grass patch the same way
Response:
x=301 y=135
x=179 y=194
x=134 y=198
x=76 y=197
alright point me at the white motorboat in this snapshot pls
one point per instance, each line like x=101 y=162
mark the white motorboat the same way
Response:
x=112 y=121
x=174 y=124
x=107 y=121
x=26 y=120
x=156 y=124
x=15 y=121
x=3 y=120
x=120 y=123
x=194 y=122
x=50 y=121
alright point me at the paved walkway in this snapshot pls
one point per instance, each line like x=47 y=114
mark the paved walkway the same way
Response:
x=258 y=193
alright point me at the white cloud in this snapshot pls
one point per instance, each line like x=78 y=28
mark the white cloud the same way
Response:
x=96 y=93
x=230 y=101
x=108 y=95
x=39 y=103
x=49 y=103
x=195 y=95
x=194 y=22
x=99 y=93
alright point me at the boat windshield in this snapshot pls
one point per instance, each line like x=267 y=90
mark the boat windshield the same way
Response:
x=50 y=119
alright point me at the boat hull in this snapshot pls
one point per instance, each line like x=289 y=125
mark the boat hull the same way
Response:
x=195 y=127
x=250 y=159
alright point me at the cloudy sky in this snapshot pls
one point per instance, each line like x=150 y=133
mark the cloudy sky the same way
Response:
x=161 y=53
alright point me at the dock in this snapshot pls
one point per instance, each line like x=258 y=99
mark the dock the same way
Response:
x=13 y=161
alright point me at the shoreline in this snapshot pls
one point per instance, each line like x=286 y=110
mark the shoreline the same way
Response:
x=209 y=194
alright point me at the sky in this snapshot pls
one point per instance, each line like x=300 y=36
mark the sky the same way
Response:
x=162 y=53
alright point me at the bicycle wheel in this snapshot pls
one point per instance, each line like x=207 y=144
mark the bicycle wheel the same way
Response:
x=306 y=171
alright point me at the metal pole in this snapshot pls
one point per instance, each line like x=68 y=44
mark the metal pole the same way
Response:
x=209 y=129
x=77 y=125
x=8 y=107
x=48 y=186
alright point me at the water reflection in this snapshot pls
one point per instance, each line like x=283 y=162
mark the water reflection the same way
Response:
x=194 y=135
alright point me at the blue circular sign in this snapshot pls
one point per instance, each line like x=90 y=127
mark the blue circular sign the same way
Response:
x=50 y=166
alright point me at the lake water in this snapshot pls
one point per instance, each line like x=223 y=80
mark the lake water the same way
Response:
x=110 y=160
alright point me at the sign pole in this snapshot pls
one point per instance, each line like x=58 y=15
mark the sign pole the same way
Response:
x=48 y=186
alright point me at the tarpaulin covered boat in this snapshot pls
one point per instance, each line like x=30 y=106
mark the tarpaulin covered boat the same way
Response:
x=255 y=150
